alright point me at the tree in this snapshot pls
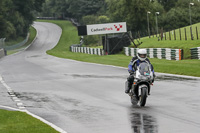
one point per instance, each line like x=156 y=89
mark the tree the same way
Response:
x=7 y=30
x=103 y=19
x=168 y=4
x=134 y=12
x=175 y=18
x=25 y=9
x=179 y=15
x=80 y=8
x=173 y=13
x=16 y=16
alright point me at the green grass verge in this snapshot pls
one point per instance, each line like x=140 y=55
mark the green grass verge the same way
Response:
x=19 y=122
x=32 y=32
x=70 y=36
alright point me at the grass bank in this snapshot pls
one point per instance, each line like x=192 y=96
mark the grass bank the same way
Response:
x=174 y=44
x=70 y=36
x=179 y=42
x=32 y=32
x=19 y=122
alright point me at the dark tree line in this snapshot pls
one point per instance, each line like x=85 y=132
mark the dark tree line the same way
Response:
x=173 y=13
x=73 y=8
x=16 y=16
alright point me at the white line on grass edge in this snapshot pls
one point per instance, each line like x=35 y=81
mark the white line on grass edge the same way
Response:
x=22 y=109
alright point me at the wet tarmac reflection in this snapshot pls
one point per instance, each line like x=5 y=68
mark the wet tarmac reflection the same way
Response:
x=142 y=123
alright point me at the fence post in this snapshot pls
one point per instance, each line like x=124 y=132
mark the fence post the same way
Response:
x=191 y=33
x=197 y=33
x=174 y=35
x=185 y=34
x=152 y=31
x=169 y=36
x=139 y=34
x=180 y=33
x=161 y=33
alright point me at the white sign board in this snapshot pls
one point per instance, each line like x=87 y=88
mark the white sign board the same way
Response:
x=108 y=28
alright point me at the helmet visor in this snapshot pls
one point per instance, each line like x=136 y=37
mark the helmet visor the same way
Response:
x=142 y=55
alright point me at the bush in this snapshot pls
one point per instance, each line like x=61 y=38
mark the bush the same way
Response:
x=103 y=19
x=91 y=40
x=92 y=19
x=89 y=19
x=10 y=31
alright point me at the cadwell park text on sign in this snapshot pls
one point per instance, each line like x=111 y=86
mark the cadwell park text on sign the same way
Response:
x=98 y=29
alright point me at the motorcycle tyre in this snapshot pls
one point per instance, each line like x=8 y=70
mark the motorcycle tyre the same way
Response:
x=143 y=97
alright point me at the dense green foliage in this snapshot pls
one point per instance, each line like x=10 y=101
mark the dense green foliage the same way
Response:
x=72 y=8
x=134 y=12
x=16 y=16
x=168 y=4
x=179 y=15
x=173 y=13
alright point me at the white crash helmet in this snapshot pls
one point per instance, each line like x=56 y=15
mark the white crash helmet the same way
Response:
x=142 y=54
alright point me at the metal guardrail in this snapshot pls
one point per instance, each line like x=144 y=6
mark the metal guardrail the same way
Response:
x=2 y=42
x=2 y=53
x=2 y=50
x=18 y=45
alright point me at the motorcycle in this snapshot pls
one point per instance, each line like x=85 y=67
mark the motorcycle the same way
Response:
x=143 y=79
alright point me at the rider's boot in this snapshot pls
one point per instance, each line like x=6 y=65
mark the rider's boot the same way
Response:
x=128 y=86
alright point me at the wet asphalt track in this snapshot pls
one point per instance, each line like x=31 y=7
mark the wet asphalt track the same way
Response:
x=88 y=98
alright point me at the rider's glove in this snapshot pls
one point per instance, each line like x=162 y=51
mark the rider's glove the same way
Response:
x=154 y=75
x=131 y=72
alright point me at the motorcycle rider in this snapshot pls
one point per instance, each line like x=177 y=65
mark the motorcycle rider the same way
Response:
x=134 y=63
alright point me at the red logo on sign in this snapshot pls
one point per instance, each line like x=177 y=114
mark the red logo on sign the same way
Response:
x=118 y=28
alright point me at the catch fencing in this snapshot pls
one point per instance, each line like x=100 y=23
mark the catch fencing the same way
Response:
x=87 y=50
x=18 y=45
x=160 y=53
x=2 y=44
x=2 y=53
x=186 y=33
x=15 y=46
x=195 y=53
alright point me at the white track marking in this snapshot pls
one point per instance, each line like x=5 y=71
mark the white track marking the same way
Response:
x=21 y=107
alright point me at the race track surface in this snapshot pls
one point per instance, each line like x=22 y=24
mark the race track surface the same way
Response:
x=89 y=98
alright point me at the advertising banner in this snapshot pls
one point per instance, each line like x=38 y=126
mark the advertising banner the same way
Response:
x=97 y=29
x=108 y=28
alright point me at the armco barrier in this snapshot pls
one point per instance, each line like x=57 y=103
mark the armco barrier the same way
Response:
x=2 y=54
x=87 y=50
x=160 y=53
x=195 y=53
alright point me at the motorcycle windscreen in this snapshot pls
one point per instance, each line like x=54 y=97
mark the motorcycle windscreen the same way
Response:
x=144 y=69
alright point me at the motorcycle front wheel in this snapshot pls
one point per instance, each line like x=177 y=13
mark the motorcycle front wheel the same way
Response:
x=143 y=97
